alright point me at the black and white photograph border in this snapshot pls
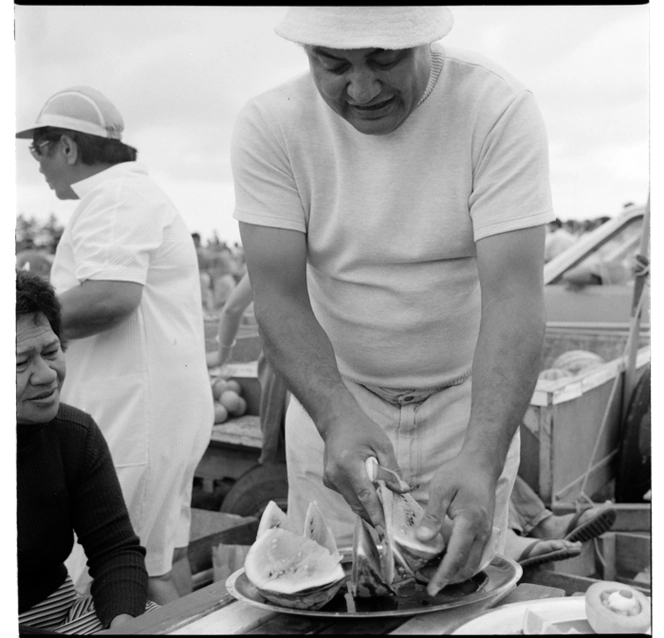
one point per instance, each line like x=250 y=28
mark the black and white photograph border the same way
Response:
x=180 y=75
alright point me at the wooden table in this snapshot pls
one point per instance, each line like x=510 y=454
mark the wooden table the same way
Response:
x=211 y=611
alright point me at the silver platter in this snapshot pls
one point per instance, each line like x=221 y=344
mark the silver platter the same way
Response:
x=495 y=581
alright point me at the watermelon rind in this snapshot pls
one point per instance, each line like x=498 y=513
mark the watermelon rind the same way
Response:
x=307 y=599
x=293 y=571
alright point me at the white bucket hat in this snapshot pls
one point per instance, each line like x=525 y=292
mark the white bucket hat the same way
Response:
x=80 y=108
x=353 y=27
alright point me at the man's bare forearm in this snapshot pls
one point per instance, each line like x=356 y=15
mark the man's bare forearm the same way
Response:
x=505 y=368
x=301 y=352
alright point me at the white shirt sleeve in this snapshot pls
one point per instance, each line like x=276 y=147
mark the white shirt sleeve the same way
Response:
x=266 y=193
x=115 y=236
x=511 y=179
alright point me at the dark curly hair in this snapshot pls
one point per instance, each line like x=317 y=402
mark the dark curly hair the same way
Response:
x=92 y=149
x=36 y=295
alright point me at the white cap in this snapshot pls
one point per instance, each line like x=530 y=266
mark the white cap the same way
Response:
x=80 y=108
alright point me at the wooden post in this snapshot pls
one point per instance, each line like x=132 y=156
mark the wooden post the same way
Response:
x=637 y=305
x=607 y=548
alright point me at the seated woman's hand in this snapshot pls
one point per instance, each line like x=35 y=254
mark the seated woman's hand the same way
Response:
x=120 y=620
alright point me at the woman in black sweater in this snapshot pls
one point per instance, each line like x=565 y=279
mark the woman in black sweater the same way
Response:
x=66 y=483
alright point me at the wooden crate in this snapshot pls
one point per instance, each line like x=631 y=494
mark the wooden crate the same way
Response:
x=209 y=529
x=563 y=421
x=246 y=374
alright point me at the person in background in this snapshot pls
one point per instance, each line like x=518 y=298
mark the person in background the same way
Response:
x=222 y=270
x=557 y=537
x=392 y=205
x=274 y=393
x=126 y=275
x=65 y=483
x=574 y=227
x=36 y=261
x=205 y=279
x=557 y=240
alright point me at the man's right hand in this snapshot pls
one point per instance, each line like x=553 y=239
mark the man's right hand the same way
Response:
x=348 y=445
x=303 y=355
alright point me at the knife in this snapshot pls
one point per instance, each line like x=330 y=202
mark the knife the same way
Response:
x=377 y=472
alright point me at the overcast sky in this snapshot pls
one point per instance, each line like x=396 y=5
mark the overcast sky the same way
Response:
x=179 y=76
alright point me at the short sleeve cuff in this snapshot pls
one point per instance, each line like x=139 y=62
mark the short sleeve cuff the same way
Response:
x=134 y=275
x=271 y=222
x=508 y=225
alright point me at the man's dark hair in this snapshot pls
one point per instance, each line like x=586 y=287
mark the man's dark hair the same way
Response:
x=92 y=149
x=35 y=295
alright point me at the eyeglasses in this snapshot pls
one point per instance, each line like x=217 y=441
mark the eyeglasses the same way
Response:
x=36 y=150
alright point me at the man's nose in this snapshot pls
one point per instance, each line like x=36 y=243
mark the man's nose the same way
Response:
x=363 y=87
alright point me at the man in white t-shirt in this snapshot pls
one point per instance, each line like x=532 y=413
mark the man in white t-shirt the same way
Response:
x=126 y=274
x=392 y=205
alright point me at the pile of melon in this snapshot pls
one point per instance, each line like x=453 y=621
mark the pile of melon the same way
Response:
x=571 y=364
x=228 y=399
x=302 y=568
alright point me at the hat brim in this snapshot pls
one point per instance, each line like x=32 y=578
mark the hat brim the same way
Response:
x=27 y=134
x=71 y=124
x=354 y=27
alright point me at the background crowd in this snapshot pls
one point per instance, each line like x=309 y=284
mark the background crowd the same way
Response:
x=221 y=265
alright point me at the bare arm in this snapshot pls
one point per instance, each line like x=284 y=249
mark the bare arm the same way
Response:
x=505 y=368
x=97 y=305
x=231 y=315
x=301 y=352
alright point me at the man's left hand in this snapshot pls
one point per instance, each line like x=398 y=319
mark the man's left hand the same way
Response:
x=466 y=493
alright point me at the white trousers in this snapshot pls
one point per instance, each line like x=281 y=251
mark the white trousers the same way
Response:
x=425 y=434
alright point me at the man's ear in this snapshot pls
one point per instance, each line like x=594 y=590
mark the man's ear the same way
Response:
x=69 y=149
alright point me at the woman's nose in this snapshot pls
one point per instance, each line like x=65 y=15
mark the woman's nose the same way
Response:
x=42 y=373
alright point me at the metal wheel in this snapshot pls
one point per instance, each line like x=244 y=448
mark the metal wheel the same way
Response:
x=634 y=459
x=255 y=489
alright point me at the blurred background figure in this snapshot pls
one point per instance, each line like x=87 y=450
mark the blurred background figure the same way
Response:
x=535 y=535
x=557 y=240
x=274 y=392
x=36 y=261
x=222 y=269
x=204 y=274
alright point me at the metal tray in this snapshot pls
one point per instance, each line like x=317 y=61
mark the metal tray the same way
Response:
x=495 y=581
